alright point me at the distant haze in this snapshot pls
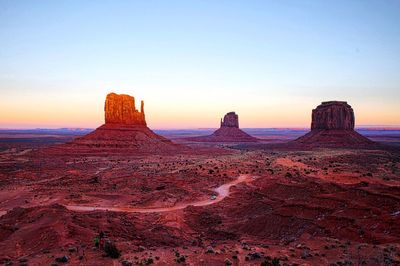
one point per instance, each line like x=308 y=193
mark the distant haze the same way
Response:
x=191 y=62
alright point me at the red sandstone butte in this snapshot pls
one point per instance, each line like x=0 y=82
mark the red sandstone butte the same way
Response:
x=231 y=119
x=125 y=130
x=332 y=125
x=333 y=115
x=228 y=132
x=120 y=109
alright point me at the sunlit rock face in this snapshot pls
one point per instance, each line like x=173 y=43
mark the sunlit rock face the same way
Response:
x=231 y=119
x=120 y=109
x=333 y=115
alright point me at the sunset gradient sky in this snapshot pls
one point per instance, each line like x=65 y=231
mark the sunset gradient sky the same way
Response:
x=193 y=61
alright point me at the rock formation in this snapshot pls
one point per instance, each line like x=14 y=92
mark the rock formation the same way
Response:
x=332 y=125
x=125 y=130
x=120 y=109
x=228 y=132
x=333 y=115
x=231 y=119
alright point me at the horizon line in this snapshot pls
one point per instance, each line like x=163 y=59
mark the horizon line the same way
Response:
x=198 y=128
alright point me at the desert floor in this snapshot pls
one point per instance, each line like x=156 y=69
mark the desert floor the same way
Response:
x=241 y=207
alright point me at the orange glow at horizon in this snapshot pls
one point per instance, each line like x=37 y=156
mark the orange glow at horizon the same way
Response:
x=172 y=114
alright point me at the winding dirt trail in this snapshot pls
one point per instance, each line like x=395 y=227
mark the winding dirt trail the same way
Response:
x=222 y=192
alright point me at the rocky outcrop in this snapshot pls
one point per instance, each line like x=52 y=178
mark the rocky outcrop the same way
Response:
x=124 y=130
x=120 y=109
x=228 y=132
x=332 y=125
x=333 y=115
x=231 y=119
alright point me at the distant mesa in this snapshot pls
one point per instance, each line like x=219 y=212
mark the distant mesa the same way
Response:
x=231 y=119
x=332 y=125
x=228 y=132
x=125 y=129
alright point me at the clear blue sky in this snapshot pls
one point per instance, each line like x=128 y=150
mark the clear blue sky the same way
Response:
x=193 y=61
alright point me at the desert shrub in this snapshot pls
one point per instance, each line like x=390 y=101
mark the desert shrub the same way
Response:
x=148 y=261
x=96 y=241
x=111 y=250
x=289 y=175
x=179 y=258
x=273 y=262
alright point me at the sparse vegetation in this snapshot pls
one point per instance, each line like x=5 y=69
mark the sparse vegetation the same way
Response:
x=179 y=258
x=111 y=250
x=271 y=262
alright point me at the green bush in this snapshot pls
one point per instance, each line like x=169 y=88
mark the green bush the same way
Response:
x=96 y=241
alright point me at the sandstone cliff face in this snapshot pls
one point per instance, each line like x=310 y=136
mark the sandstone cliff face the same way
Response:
x=231 y=119
x=120 y=109
x=333 y=115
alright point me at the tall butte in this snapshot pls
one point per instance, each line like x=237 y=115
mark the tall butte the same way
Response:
x=124 y=130
x=229 y=131
x=332 y=125
x=121 y=110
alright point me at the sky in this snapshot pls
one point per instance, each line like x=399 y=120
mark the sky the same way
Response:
x=193 y=61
